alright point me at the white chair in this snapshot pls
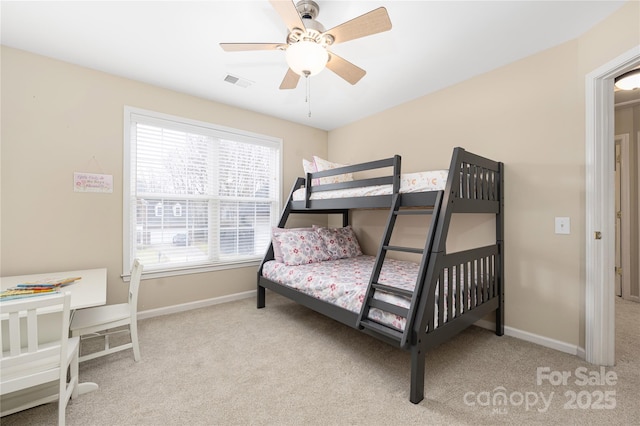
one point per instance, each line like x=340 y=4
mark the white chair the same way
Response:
x=101 y=321
x=31 y=359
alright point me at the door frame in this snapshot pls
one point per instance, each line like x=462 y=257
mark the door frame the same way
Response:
x=600 y=211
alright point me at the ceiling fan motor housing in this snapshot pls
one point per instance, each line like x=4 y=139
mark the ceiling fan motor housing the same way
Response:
x=313 y=30
x=308 y=9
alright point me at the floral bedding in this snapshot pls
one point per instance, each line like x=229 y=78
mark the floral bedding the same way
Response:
x=344 y=282
x=434 y=180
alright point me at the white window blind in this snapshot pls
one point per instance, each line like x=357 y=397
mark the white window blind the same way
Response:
x=197 y=196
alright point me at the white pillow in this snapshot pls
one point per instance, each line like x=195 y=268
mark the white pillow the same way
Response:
x=309 y=167
x=322 y=165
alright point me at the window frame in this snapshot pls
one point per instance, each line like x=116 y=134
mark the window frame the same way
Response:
x=224 y=132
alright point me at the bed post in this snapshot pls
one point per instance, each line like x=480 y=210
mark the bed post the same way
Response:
x=261 y=299
x=261 y=296
x=500 y=243
x=417 y=374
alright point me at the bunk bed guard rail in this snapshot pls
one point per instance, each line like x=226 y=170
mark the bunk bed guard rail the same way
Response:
x=394 y=179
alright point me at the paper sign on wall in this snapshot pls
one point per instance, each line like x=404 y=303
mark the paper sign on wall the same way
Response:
x=92 y=182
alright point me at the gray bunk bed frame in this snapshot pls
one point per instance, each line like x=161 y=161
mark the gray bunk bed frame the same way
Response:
x=474 y=185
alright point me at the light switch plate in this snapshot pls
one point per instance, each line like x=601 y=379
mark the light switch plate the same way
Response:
x=563 y=225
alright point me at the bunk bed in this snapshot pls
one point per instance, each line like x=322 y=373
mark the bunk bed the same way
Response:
x=444 y=292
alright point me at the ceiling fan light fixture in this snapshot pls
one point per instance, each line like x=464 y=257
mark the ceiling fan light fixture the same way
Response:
x=629 y=80
x=306 y=57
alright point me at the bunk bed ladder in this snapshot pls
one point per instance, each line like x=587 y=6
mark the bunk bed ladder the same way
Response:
x=392 y=334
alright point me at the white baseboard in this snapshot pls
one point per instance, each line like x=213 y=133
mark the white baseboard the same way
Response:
x=150 y=313
x=535 y=338
x=509 y=331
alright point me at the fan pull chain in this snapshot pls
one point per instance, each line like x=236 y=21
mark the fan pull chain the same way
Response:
x=308 y=94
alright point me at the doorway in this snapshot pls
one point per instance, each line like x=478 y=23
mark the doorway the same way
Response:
x=600 y=211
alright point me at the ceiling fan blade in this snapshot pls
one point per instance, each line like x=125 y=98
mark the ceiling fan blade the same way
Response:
x=370 y=23
x=290 y=80
x=288 y=12
x=237 y=47
x=345 y=69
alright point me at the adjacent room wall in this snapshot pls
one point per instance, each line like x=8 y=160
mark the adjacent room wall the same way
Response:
x=530 y=115
x=627 y=120
x=59 y=118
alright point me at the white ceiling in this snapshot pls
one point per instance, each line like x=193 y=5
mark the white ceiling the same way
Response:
x=174 y=44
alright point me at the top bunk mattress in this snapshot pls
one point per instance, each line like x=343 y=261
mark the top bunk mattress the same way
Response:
x=433 y=180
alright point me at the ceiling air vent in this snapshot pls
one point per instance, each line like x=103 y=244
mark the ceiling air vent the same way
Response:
x=238 y=81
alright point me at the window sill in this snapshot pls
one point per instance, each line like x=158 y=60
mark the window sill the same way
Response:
x=162 y=273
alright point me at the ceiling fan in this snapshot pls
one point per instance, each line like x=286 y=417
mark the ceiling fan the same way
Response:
x=308 y=42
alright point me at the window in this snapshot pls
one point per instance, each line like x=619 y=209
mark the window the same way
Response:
x=197 y=196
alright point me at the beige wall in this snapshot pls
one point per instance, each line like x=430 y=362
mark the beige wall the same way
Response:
x=58 y=119
x=530 y=115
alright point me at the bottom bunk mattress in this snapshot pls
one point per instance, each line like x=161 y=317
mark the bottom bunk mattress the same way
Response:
x=344 y=283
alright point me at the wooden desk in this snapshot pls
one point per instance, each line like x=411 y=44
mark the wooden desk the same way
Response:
x=90 y=290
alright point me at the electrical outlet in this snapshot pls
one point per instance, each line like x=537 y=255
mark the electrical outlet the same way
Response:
x=563 y=225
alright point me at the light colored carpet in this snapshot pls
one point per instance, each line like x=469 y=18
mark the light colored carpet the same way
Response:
x=286 y=365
